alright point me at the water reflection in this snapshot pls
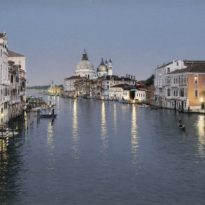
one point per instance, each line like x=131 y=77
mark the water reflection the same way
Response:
x=3 y=169
x=201 y=135
x=3 y=145
x=104 y=136
x=134 y=135
x=75 y=129
x=9 y=168
x=50 y=132
x=115 y=117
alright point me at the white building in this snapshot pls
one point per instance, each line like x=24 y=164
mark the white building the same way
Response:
x=140 y=95
x=12 y=82
x=122 y=92
x=4 y=81
x=180 y=85
x=109 y=81
x=127 y=92
x=161 y=77
x=85 y=68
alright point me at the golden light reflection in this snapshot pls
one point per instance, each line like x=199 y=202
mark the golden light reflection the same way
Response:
x=25 y=121
x=201 y=134
x=115 y=117
x=3 y=145
x=104 y=136
x=50 y=132
x=75 y=129
x=134 y=135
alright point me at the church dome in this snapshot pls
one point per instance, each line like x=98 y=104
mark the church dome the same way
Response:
x=85 y=68
x=102 y=67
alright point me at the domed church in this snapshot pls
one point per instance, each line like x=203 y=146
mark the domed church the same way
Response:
x=85 y=68
x=102 y=69
x=105 y=68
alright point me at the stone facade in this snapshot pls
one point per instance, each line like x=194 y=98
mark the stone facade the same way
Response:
x=4 y=79
x=12 y=82
x=183 y=87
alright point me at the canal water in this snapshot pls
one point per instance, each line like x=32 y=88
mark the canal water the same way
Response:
x=105 y=153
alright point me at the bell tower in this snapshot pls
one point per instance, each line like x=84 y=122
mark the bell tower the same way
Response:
x=110 y=67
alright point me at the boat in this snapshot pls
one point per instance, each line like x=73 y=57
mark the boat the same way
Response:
x=153 y=107
x=48 y=116
x=181 y=126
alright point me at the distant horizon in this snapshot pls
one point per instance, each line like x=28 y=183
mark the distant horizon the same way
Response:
x=137 y=35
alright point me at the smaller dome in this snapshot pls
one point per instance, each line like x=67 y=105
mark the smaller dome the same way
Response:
x=102 y=67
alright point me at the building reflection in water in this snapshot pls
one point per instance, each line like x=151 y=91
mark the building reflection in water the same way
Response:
x=201 y=135
x=75 y=129
x=134 y=135
x=104 y=136
x=115 y=117
x=3 y=145
x=9 y=168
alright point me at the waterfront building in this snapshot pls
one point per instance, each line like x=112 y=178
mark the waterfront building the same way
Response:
x=180 y=86
x=91 y=83
x=122 y=92
x=82 y=87
x=85 y=68
x=4 y=79
x=20 y=62
x=55 y=90
x=127 y=92
x=109 y=81
x=12 y=82
x=141 y=95
x=69 y=86
x=15 y=103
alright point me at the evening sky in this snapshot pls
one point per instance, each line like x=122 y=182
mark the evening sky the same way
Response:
x=137 y=35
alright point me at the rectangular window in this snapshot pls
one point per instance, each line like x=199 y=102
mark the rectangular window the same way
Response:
x=5 y=105
x=196 y=93
x=182 y=92
x=168 y=92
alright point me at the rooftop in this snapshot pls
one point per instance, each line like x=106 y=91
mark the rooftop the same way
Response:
x=73 y=77
x=14 y=54
x=192 y=68
x=124 y=86
x=2 y=35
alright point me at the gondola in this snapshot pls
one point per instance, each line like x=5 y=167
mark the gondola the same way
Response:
x=181 y=126
x=48 y=116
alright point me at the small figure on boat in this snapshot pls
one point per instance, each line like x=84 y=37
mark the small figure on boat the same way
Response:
x=181 y=125
x=49 y=114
